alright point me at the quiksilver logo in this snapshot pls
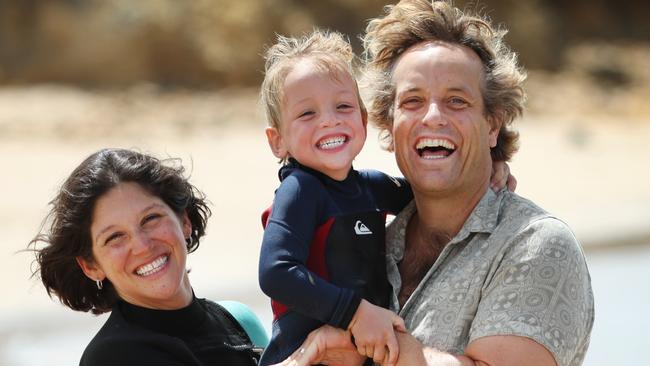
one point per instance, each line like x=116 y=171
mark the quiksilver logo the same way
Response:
x=361 y=229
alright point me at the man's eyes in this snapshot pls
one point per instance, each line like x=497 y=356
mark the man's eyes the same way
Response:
x=411 y=102
x=457 y=101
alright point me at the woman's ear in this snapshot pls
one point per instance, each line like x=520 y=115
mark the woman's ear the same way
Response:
x=91 y=269
x=276 y=142
x=187 y=225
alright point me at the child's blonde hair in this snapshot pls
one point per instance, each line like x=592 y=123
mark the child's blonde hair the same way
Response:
x=329 y=51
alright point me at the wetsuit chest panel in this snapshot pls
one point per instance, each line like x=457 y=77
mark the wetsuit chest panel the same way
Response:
x=355 y=255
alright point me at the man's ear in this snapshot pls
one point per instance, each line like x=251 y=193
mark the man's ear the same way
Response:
x=276 y=142
x=91 y=269
x=494 y=122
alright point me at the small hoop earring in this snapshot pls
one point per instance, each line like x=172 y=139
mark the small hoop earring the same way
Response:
x=99 y=284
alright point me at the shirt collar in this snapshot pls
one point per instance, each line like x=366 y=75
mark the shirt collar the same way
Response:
x=483 y=219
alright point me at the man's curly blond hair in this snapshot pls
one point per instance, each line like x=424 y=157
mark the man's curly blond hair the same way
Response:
x=411 y=22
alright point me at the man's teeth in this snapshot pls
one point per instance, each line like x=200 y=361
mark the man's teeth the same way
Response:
x=331 y=143
x=433 y=143
x=152 y=267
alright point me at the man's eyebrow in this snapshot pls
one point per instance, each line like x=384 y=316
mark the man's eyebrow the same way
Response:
x=409 y=90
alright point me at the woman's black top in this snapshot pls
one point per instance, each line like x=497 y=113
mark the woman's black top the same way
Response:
x=203 y=333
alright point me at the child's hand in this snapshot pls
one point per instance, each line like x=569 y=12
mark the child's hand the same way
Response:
x=501 y=177
x=373 y=329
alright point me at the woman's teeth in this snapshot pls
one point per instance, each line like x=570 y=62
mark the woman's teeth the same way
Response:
x=152 y=267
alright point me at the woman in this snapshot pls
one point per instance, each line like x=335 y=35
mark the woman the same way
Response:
x=119 y=233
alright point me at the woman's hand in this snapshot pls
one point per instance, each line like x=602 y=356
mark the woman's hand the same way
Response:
x=501 y=177
x=326 y=345
x=374 y=329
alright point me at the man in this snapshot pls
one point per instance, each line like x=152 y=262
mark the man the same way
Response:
x=479 y=278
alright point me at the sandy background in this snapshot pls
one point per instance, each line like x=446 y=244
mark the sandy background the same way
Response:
x=592 y=171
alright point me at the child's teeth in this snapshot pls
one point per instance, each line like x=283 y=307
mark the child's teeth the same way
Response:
x=331 y=143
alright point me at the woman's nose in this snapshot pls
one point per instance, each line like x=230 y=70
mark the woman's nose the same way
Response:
x=141 y=242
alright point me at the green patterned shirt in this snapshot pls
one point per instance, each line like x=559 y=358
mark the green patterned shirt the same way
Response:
x=513 y=269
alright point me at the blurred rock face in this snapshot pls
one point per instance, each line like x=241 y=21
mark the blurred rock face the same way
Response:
x=217 y=43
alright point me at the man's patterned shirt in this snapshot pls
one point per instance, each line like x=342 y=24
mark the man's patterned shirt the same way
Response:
x=513 y=269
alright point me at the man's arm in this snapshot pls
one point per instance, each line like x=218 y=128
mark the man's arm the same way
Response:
x=487 y=351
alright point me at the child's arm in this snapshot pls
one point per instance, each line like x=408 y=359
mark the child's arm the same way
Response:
x=373 y=329
x=283 y=272
x=392 y=194
x=501 y=177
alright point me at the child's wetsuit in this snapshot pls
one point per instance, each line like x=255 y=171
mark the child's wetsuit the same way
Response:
x=323 y=250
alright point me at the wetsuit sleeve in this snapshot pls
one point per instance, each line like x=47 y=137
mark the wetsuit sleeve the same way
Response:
x=283 y=274
x=392 y=194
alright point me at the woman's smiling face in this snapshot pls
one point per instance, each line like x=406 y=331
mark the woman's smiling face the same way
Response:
x=139 y=246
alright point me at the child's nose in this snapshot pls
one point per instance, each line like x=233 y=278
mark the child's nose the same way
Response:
x=330 y=119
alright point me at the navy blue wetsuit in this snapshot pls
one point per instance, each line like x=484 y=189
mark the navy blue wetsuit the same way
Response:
x=323 y=250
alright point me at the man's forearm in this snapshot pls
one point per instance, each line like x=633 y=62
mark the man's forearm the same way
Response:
x=485 y=351
x=412 y=352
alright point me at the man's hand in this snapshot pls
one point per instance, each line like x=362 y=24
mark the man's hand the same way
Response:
x=374 y=329
x=326 y=345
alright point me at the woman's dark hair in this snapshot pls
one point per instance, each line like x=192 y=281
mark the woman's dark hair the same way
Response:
x=66 y=230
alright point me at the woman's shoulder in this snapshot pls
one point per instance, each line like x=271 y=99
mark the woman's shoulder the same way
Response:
x=120 y=343
x=248 y=320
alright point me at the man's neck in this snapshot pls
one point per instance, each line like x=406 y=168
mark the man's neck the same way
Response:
x=446 y=213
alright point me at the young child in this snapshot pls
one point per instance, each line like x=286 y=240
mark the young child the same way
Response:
x=323 y=254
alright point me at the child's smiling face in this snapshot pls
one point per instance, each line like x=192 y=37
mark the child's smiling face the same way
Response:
x=322 y=124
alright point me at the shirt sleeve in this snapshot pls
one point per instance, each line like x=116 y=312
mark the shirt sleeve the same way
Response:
x=283 y=274
x=392 y=194
x=541 y=290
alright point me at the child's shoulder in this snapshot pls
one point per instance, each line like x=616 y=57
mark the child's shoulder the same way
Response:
x=300 y=182
x=376 y=177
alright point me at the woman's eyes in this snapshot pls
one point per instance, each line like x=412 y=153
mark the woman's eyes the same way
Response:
x=150 y=218
x=113 y=238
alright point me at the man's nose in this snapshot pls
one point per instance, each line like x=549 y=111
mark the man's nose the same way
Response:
x=433 y=115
